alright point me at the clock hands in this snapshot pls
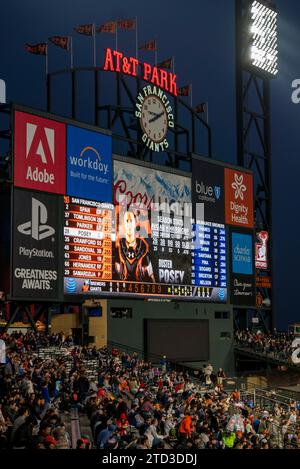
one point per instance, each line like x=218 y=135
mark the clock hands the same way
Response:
x=156 y=116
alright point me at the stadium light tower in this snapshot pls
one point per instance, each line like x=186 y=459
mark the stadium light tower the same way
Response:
x=263 y=51
x=256 y=65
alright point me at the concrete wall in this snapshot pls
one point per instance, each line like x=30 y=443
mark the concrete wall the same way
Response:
x=130 y=332
x=98 y=326
x=64 y=322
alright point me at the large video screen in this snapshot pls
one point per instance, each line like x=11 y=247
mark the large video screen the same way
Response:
x=145 y=244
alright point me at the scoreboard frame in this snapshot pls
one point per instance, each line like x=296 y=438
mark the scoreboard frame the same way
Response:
x=63 y=298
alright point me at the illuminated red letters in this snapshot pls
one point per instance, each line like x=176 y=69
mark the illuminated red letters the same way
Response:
x=116 y=62
x=147 y=72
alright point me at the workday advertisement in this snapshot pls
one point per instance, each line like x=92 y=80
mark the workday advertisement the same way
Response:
x=89 y=164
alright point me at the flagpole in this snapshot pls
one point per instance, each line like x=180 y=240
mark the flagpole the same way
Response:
x=191 y=95
x=46 y=59
x=136 y=37
x=207 y=112
x=116 y=35
x=155 y=57
x=71 y=51
x=173 y=65
x=94 y=34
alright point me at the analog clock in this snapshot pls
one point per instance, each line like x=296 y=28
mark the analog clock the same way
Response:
x=154 y=119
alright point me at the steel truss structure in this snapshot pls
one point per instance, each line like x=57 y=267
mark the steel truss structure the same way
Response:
x=254 y=147
x=191 y=134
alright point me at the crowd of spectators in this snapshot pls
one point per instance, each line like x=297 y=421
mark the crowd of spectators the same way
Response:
x=275 y=344
x=132 y=404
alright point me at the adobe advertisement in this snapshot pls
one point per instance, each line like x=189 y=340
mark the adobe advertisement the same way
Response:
x=39 y=153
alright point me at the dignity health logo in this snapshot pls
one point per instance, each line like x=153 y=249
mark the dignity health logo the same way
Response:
x=89 y=158
x=239 y=186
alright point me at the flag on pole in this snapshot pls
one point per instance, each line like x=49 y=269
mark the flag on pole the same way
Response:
x=38 y=49
x=200 y=108
x=150 y=45
x=166 y=63
x=86 y=29
x=61 y=41
x=109 y=27
x=126 y=24
x=184 y=90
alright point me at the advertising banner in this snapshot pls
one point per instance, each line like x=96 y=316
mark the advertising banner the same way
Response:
x=261 y=250
x=239 y=203
x=243 y=291
x=208 y=189
x=89 y=164
x=39 y=153
x=242 y=253
x=35 y=254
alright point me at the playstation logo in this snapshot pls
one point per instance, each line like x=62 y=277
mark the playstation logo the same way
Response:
x=37 y=228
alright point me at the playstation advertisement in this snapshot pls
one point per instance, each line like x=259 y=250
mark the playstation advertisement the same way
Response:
x=35 y=259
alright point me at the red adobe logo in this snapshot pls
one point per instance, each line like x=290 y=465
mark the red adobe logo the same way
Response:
x=39 y=153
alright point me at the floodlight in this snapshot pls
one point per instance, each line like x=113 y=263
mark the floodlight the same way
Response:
x=263 y=44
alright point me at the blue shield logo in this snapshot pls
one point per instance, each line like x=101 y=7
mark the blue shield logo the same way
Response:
x=217 y=192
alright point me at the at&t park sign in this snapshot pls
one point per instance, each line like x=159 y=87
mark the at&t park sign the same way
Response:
x=116 y=61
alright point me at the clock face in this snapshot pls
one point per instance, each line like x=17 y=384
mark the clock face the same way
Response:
x=154 y=119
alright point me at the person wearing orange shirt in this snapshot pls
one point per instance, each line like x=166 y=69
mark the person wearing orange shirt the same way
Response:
x=185 y=427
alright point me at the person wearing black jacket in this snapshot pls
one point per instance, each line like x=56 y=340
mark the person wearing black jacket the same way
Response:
x=23 y=437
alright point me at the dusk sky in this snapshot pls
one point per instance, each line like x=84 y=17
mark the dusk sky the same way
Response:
x=200 y=34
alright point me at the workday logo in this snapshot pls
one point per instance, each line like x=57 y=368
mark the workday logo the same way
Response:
x=37 y=227
x=239 y=186
x=89 y=164
x=89 y=158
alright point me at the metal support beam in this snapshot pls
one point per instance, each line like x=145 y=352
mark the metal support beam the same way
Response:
x=253 y=127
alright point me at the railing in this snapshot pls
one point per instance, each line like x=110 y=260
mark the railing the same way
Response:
x=281 y=358
x=75 y=427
